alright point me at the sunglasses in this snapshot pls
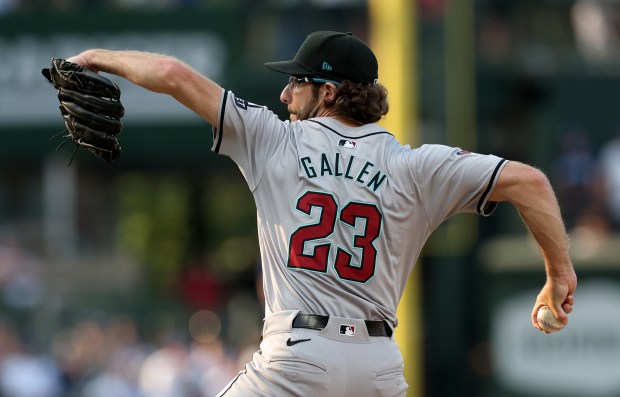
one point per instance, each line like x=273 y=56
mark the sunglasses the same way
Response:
x=294 y=81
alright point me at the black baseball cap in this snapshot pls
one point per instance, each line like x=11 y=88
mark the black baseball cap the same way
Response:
x=332 y=55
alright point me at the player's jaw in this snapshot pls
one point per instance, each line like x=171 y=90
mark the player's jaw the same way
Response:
x=306 y=111
x=302 y=104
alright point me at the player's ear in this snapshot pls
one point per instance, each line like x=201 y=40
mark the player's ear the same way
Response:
x=330 y=92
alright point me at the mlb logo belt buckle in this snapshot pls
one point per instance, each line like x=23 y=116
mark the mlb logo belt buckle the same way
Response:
x=347 y=329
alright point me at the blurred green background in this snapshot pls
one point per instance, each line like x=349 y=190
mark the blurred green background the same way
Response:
x=141 y=278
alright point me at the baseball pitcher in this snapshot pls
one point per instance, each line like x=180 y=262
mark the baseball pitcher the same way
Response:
x=343 y=211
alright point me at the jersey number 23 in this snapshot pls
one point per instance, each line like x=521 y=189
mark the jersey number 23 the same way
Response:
x=318 y=259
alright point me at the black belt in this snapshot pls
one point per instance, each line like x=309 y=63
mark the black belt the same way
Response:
x=314 y=321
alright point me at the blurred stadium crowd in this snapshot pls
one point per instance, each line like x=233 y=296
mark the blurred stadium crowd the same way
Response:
x=588 y=182
x=101 y=359
x=186 y=350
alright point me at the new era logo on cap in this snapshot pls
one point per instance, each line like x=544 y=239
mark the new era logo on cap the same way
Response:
x=327 y=66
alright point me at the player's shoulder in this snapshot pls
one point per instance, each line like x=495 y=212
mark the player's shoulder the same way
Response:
x=423 y=155
x=440 y=150
x=247 y=115
x=424 y=150
x=436 y=148
x=241 y=103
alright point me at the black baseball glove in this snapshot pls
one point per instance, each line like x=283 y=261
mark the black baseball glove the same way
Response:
x=90 y=105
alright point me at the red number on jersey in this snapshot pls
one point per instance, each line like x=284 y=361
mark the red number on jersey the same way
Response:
x=365 y=270
x=319 y=258
x=316 y=261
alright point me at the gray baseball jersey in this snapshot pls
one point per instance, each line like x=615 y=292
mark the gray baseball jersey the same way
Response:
x=343 y=212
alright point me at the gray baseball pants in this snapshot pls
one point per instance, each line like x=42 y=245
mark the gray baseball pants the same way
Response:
x=340 y=360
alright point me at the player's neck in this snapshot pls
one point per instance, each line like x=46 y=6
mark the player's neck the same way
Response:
x=341 y=119
x=348 y=121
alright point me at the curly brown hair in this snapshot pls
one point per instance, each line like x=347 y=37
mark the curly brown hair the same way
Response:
x=364 y=103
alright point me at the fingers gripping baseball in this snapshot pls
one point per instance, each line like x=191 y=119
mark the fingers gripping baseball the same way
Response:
x=558 y=296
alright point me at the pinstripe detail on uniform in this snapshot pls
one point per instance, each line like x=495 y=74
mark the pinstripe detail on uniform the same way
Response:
x=349 y=137
x=479 y=209
x=219 y=131
x=232 y=382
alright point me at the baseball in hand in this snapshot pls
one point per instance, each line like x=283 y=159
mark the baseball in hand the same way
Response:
x=547 y=320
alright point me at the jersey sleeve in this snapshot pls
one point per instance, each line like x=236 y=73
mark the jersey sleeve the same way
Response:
x=247 y=133
x=451 y=180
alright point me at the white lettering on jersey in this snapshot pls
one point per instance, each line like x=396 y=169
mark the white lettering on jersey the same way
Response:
x=241 y=103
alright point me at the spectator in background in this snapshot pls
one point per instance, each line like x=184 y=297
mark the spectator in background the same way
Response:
x=576 y=176
x=22 y=372
x=610 y=168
